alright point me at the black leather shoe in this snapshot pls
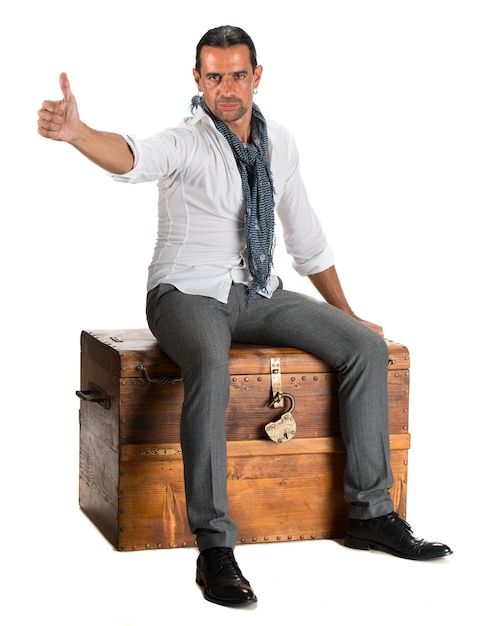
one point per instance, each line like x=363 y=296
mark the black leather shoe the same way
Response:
x=222 y=581
x=391 y=534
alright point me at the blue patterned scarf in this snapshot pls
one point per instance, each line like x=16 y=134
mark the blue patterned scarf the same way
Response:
x=257 y=184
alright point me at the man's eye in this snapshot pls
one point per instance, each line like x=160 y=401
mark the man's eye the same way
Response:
x=240 y=75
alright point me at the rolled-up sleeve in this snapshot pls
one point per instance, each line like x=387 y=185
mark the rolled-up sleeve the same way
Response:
x=158 y=156
x=303 y=234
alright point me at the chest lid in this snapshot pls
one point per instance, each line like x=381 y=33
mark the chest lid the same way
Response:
x=135 y=353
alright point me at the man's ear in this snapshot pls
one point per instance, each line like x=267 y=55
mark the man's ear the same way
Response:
x=257 y=75
x=196 y=76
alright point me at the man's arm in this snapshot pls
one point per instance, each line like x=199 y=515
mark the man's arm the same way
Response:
x=59 y=120
x=328 y=285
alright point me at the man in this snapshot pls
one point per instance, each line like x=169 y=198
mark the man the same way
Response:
x=224 y=175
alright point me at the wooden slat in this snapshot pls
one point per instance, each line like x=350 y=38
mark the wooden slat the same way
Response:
x=255 y=448
x=273 y=495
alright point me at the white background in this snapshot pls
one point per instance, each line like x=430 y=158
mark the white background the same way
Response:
x=383 y=98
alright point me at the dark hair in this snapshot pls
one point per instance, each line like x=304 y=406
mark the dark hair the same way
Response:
x=225 y=37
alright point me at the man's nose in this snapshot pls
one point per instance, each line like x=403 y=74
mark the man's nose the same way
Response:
x=227 y=86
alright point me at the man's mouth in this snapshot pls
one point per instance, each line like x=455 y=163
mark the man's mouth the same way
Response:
x=227 y=105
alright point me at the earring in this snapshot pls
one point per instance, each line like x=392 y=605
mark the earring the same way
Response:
x=200 y=94
x=255 y=91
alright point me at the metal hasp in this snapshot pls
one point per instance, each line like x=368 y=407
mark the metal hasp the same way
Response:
x=276 y=377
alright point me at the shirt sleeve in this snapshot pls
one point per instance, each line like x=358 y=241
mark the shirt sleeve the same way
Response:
x=158 y=156
x=303 y=234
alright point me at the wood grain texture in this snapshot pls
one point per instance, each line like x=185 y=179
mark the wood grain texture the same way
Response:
x=131 y=468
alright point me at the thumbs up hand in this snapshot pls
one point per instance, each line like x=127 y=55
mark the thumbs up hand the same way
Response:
x=59 y=119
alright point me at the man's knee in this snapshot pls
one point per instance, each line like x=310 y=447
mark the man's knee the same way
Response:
x=374 y=350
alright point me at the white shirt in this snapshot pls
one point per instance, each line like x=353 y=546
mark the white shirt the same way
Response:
x=200 y=240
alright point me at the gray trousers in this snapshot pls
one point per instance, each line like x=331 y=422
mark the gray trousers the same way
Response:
x=196 y=332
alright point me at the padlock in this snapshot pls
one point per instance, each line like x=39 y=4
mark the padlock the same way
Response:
x=284 y=428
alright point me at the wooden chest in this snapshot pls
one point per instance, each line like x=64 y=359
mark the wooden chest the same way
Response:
x=131 y=470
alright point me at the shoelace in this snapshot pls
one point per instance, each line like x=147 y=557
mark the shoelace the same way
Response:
x=406 y=528
x=226 y=559
x=401 y=522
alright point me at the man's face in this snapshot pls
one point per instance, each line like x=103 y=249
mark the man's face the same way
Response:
x=227 y=80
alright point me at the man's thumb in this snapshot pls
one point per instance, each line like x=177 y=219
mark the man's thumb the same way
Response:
x=65 y=86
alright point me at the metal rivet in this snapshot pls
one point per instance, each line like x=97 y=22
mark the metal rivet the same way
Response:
x=266 y=538
x=254 y=539
x=246 y=379
x=278 y=538
x=315 y=378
